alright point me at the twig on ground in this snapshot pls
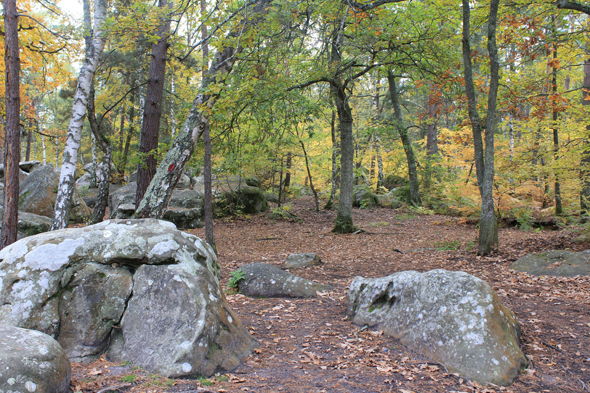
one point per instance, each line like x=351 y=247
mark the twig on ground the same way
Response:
x=551 y=346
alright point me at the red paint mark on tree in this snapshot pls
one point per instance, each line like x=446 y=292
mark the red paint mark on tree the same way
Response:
x=171 y=167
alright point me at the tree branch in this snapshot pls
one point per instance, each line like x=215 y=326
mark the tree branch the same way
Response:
x=370 y=6
x=572 y=5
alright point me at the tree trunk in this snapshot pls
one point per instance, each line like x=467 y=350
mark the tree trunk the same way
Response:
x=403 y=134
x=159 y=191
x=94 y=47
x=558 y=207
x=104 y=169
x=103 y=187
x=12 y=126
x=335 y=151
x=344 y=223
x=315 y=194
x=585 y=161
x=288 y=165
x=152 y=113
x=488 y=230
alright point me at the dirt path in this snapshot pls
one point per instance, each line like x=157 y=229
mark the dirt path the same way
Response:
x=308 y=345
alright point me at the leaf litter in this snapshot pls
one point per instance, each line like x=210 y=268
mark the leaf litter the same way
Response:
x=309 y=345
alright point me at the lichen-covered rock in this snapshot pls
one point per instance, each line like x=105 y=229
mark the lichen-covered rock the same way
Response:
x=76 y=285
x=452 y=317
x=555 y=263
x=32 y=361
x=185 y=209
x=38 y=193
x=302 y=260
x=263 y=280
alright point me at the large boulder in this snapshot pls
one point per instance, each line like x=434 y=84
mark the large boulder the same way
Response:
x=247 y=199
x=264 y=280
x=140 y=290
x=185 y=210
x=39 y=191
x=555 y=263
x=32 y=361
x=362 y=196
x=451 y=317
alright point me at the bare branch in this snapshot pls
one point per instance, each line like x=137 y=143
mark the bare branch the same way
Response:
x=572 y=5
x=370 y=6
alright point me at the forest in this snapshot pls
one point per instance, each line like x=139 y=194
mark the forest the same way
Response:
x=428 y=145
x=477 y=110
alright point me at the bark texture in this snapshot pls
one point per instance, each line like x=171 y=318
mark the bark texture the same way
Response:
x=12 y=127
x=152 y=112
x=95 y=43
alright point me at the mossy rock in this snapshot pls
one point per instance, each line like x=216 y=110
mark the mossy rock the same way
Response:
x=362 y=196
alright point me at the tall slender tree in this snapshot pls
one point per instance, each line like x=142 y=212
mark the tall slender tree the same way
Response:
x=484 y=159
x=12 y=126
x=152 y=112
x=95 y=42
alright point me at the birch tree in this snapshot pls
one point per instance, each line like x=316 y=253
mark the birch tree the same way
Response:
x=95 y=42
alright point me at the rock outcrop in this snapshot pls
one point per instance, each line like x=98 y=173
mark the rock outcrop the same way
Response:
x=39 y=191
x=263 y=280
x=452 y=317
x=555 y=263
x=140 y=290
x=29 y=223
x=185 y=210
x=32 y=361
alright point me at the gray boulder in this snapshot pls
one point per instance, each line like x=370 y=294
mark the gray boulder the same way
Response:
x=271 y=197
x=29 y=223
x=307 y=259
x=32 y=361
x=555 y=263
x=184 y=183
x=451 y=317
x=39 y=191
x=263 y=280
x=185 y=210
x=140 y=290
x=248 y=200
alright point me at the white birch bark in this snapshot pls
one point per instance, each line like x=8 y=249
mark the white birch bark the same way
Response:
x=94 y=46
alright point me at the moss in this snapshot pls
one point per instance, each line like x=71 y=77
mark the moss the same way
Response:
x=343 y=225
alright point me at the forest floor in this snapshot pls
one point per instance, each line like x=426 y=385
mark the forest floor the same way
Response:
x=309 y=345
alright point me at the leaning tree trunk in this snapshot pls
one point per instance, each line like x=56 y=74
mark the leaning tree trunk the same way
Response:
x=12 y=130
x=403 y=133
x=94 y=47
x=159 y=192
x=488 y=226
x=152 y=113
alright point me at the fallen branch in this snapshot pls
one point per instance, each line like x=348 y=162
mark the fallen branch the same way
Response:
x=551 y=346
